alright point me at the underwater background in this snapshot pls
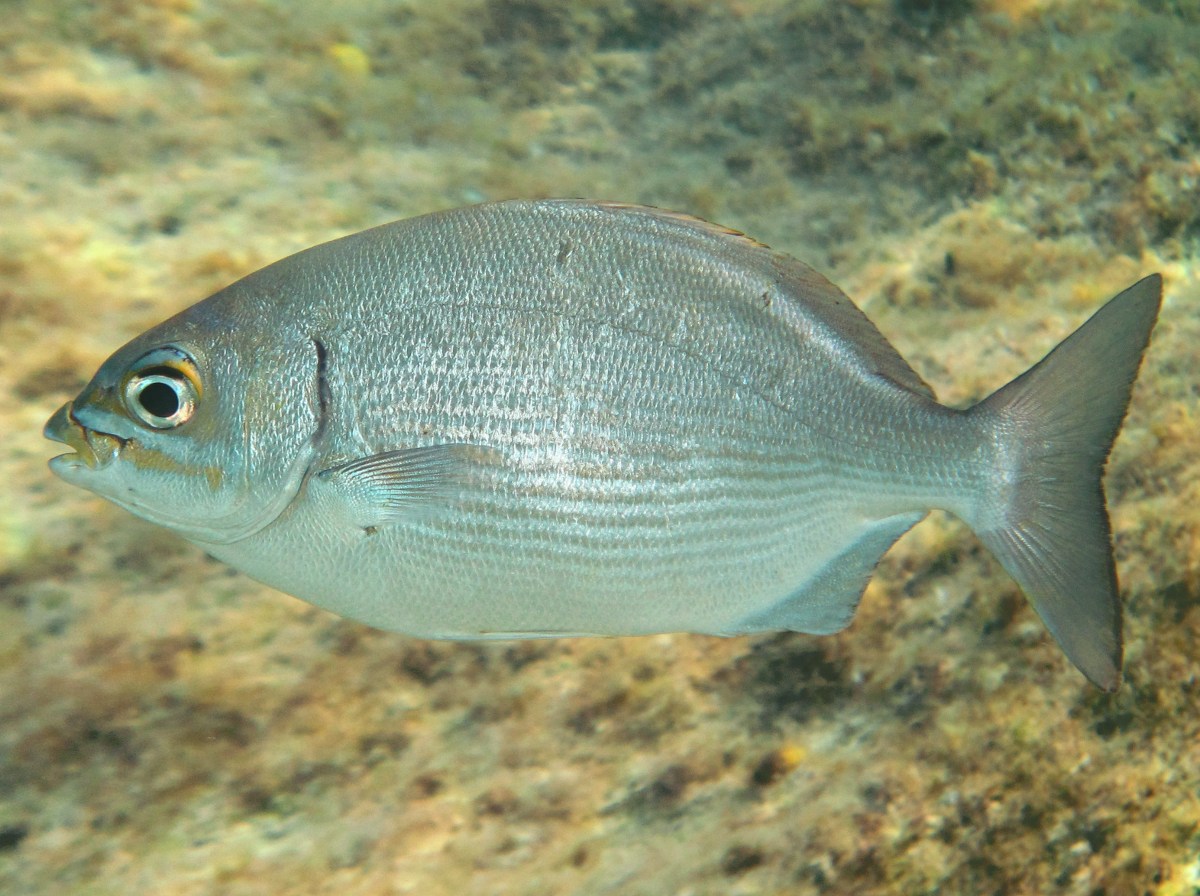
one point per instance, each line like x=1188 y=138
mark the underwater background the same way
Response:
x=980 y=175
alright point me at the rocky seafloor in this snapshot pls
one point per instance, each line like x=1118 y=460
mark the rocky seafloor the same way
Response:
x=979 y=174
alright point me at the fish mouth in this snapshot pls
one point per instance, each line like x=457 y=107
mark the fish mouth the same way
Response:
x=93 y=449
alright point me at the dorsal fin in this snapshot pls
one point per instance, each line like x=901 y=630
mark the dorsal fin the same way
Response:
x=685 y=219
x=826 y=303
x=810 y=295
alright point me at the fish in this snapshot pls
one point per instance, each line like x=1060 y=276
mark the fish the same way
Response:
x=560 y=418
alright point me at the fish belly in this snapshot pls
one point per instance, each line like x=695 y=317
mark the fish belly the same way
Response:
x=708 y=558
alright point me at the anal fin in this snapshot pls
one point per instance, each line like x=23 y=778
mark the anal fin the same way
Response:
x=826 y=603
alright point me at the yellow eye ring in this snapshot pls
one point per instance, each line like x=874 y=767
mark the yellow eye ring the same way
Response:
x=163 y=389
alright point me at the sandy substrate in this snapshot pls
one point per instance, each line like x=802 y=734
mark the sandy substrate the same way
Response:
x=978 y=175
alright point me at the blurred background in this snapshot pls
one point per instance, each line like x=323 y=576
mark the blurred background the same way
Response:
x=979 y=175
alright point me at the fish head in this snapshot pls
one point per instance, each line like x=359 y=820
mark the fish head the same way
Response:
x=205 y=424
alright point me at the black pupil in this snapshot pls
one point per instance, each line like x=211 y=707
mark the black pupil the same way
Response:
x=159 y=399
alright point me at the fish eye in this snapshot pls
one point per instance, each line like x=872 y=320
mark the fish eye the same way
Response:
x=162 y=391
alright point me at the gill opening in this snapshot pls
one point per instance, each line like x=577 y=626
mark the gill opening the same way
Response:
x=324 y=395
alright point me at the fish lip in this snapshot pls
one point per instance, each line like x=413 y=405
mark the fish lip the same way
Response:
x=93 y=448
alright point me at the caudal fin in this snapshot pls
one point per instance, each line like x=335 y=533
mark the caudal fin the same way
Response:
x=1048 y=525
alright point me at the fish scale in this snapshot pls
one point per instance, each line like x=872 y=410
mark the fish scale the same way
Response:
x=526 y=419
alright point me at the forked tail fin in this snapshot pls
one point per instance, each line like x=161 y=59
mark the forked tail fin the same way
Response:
x=1048 y=525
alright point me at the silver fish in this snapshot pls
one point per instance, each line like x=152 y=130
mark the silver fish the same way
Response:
x=531 y=419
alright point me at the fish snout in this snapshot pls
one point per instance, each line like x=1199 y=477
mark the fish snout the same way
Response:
x=92 y=448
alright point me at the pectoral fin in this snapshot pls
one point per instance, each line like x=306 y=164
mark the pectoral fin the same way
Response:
x=374 y=491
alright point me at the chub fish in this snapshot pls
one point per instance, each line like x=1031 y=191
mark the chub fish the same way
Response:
x=531 y=419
